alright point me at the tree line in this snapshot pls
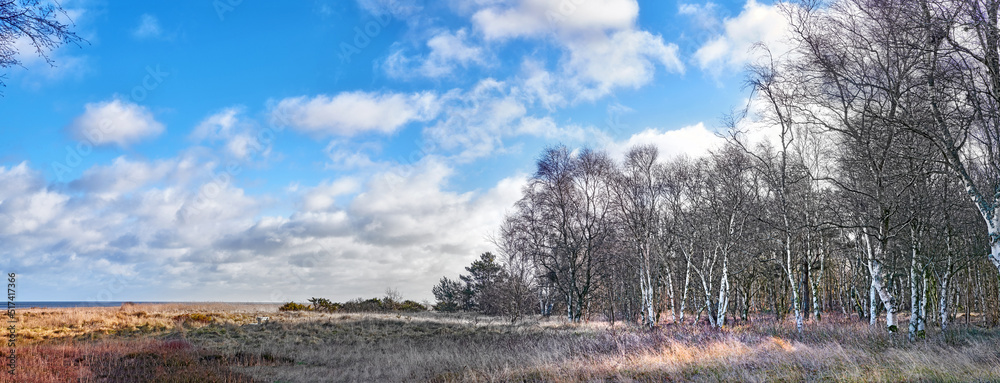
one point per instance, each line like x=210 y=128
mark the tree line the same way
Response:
x=862 y=179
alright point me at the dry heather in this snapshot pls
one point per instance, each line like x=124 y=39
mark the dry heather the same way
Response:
x=220 y=343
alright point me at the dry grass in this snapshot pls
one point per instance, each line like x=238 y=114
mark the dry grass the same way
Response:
x=177 y=343
x=34 y=325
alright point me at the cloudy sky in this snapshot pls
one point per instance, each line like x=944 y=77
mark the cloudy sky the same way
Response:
x=251 y=151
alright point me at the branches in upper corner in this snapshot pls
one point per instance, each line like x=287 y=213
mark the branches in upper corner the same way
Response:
x=43 y=25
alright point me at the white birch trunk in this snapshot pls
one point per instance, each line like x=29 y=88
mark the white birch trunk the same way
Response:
x=723 y=304
x=922 y=326
x=647 y=295
x=790 y=270
x=883 y=294
x=915 y=316
x=875 y=268
x=706 y=286
x=815 y=284
x=914 y=303
x=944 y=294
x=989 y=211
x=687 y=282
x=708 y=305
x=944 y=299
x=671 y=295
x=872 y=305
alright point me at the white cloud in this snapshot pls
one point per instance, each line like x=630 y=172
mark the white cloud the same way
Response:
x=352 y=113
x=173 y=229
x=114 y=122
x=732 y=49
x=704 y=15
x=475 y=121
x=149 y=27
x=530 y=18
x=447 y=52
x=346 y=155
x=547 y=128
x=603 y=49
x=239 y=135
x=623 y=59
x=121 y=176
x=323 y=196
x=540 y=85
x=693 y=140
x=219 y=125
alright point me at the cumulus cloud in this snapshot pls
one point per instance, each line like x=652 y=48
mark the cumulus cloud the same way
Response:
x=238 y=134
x=121 y=176
x=527 y=18
x=351 y=113
x=693 y=140
x=704 y=15
x=323 y=196
x=475 y=121
x=757 y=23
x=447 y=52
x=114 y=122
x=148 y=28
x=173 y=229
x=623 y=59
x=603 y=49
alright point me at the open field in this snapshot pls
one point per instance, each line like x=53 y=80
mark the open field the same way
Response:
x=220 y=342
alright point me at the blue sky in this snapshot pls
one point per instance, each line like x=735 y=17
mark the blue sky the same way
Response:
x=265 y=151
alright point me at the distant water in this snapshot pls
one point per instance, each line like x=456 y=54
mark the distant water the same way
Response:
x=56 y=304
x=53 y=304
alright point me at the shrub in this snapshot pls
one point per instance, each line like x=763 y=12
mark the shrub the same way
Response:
x=292 y=306
x=446 y=307
x=359 y=305
x=356 y=305
x=323 y=304
x=199 y=317
x=409 y=305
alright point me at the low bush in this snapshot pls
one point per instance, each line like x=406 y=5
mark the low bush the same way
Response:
x=292 y=306
x=356 y=305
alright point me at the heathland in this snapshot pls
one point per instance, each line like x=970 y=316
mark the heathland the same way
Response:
x=225 y=343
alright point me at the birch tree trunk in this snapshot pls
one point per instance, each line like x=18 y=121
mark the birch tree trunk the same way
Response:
x=723 y=292
x=922 y=327
x=915 y=316
x=687 y=282
x=789 y=269
x=875 y=268
x=944 y=292
x=671 y=296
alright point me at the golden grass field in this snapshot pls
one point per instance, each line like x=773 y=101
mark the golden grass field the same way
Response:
x=222 y=343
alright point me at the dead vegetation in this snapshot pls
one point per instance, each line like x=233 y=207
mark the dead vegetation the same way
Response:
x=223 y=343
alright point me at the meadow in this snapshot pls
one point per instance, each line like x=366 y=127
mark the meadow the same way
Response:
x=223 y=343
